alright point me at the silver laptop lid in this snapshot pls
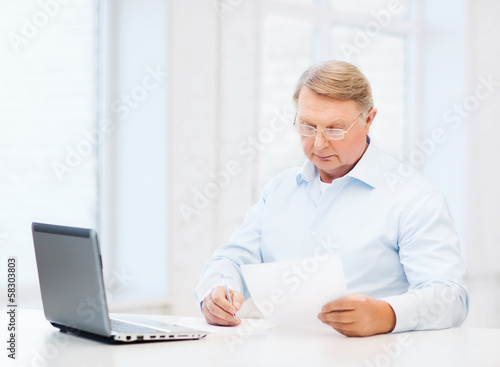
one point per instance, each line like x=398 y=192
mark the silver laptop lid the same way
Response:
x=70 y=274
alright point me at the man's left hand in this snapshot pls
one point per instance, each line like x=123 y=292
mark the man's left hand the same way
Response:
x=359 y=315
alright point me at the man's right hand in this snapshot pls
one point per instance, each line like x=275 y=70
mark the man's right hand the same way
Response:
x=218 y=310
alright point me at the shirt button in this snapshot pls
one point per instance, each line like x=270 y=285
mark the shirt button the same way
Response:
x=313 y=234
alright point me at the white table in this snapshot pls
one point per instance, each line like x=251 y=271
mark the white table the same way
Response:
x=40 y=344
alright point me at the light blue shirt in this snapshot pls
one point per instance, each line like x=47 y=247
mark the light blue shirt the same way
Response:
x=390 y=226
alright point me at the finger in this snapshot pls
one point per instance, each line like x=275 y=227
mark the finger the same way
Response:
x=218 y=312
x=338 y=316
x=342 y=304
x=238 y=299
x=214 y=312
x=216 y=316
x=220 y=299
x=214 y=320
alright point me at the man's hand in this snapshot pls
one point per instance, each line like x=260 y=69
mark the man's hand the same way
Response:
x=359 y=315
x=217 y=309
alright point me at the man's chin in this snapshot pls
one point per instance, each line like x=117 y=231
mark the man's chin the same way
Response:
x=326 y=166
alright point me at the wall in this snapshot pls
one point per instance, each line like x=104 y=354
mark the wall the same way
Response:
x=212 y=110
x=482 y=151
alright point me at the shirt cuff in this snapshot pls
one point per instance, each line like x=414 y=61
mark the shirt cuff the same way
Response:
x=407 y=311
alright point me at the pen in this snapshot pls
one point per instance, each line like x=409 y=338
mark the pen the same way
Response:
x=228 y=295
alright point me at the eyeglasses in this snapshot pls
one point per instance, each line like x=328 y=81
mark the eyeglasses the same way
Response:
x=330 y=134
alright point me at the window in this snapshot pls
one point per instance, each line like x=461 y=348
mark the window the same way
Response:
x=48 y=106
x=133 y=156
x=83 y=142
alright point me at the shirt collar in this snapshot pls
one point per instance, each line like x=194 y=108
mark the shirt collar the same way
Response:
x=366 y=170
x=307 y=172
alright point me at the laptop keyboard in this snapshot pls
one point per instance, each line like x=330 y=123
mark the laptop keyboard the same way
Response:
x=125 y=327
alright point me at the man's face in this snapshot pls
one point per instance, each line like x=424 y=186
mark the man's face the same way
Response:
x=334 y=158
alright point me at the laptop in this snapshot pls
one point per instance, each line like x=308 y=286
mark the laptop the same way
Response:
x=72 y=287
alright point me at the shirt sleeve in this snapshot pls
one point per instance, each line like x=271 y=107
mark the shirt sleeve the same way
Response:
x=243 y=248
x=429 y=250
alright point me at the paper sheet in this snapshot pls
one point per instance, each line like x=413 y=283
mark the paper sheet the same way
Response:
x=246 y=328
x=293 y=292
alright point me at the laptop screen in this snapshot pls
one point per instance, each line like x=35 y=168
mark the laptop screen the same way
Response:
x=70 y=274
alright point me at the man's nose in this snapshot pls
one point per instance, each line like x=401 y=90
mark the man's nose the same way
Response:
x=320 y=141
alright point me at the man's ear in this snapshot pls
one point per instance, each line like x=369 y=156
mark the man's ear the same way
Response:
x=369 y=118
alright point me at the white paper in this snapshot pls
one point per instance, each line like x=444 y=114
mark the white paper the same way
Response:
x=246 y=328
x=293 y=292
